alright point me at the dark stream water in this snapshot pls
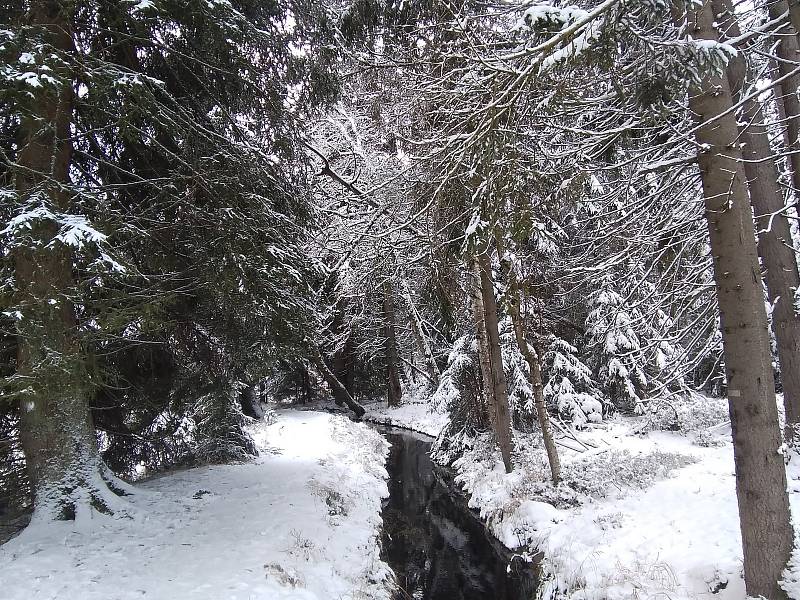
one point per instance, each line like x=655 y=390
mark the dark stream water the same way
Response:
x=436 y=546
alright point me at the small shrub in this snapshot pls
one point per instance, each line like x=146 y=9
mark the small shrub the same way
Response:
x=686 y=413
x=620 y=469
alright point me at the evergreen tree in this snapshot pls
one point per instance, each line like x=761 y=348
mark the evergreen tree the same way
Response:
x=616 y=349
x=150 y=179
x=569 y=388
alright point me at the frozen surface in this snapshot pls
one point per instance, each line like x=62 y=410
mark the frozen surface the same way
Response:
x=300 y=522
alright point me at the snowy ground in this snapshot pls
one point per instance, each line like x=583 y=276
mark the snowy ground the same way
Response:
x=417 y=416
x=658 y=517
x=642 y=515
x=300 y=522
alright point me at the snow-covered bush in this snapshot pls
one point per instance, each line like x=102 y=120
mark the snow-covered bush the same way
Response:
x=219 y=436
x=459 y=395
x=616 y=352
x=687 y=412
x=583 y=480
x=451 y=444
x=460 y=388
x=568 y=387
x=521 y=402
x=620 y=469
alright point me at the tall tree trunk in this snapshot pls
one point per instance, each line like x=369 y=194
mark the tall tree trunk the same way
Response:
x=56 y=430
x=340 y=393
x=394 y=391
x=535 y=377
x=531 y=356
x=788 y=53
x=342 y=365
x=306 y=383
x=494 y=379
x=760 y=473
x=793 y=7
x=774 y=237
x=342 y=361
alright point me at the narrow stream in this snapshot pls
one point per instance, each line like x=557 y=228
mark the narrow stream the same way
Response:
x=436 y=546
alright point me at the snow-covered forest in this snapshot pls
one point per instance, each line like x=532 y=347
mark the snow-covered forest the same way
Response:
x=385 y=299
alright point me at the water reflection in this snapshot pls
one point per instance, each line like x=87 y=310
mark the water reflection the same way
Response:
x=437 y=548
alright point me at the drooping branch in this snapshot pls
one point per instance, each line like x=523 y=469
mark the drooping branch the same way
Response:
x=339 y=391
x=365 y=195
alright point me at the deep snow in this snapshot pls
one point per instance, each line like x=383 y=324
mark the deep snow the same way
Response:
x=302 y=521
x=416 y=416
x=647 y=514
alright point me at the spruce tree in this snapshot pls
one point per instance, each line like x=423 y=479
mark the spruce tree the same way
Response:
x=154 y=195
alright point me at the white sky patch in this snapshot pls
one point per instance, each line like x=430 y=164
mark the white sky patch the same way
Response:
x=596 y=186
x=289 y=23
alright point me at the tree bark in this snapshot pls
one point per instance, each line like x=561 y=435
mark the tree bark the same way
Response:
x=306 y=382
x=760 y=472
x=494 y=379
x=774 y=233
x=535 y=378
x=793 y=7
x=788 y=54
x=56 y=429
x=480 y=336
x=342 y=366
x=394 y=390
x=342 y=361
x=340 y=393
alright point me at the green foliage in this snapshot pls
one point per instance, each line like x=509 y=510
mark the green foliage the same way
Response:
x=188 y=206
x=219 y=436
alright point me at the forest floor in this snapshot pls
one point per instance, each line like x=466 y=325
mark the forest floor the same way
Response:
x=415 y=415
x=301 y=521
x=642 y=512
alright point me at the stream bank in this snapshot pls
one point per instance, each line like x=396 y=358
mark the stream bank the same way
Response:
x=438 y=548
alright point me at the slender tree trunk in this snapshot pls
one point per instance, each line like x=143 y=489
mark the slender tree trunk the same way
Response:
x=56 y=429
x=480 y=336
x=531 y=356
x=342 y=361
x=306 y=385
x=760 y=473
x=494 y=378
x=342 y=365
x=340 y=393
x=535 y=378
x=430 y=364
x=774 y=237
x=394 y=392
